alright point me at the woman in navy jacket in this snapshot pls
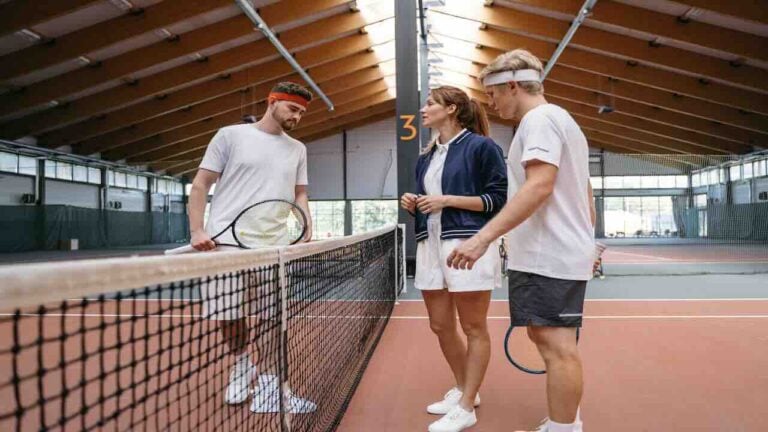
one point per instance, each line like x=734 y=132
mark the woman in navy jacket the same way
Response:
x=461 y=184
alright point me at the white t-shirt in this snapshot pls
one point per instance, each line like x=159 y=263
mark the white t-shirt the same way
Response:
x=557 y=241
x=433 y=178
x=254 y=166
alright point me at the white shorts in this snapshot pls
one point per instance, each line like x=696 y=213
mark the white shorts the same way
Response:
x=432 y=272
x=236 y=296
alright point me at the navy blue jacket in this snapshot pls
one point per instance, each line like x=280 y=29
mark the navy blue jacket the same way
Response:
x=474 y=166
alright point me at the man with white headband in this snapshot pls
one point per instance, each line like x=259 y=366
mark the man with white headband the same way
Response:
x=250 y=163
x=549 y=219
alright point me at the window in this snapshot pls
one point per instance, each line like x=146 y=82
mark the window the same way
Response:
x=27 y=165
x=178 y=189
x=681 y=181
x=597 y=182
x=735 y=172
x=747 y=167
x=63 y=171
x=760 y=168
x=700 y=200
x=94 y=175
x=130 y=181
x=632 y=182
x=651 y=182
x=50 y=169
x=714 y=177
x=79 y=173
x=369 y=215
x=696 y=180
x=120 y=179
x=142 y=183
x=9 y=162
x=639 y=217
x=162 y=186
x=614 y=182
x=327 y=219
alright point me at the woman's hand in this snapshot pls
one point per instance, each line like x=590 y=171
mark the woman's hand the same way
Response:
x=431 y=203
x=408 y=202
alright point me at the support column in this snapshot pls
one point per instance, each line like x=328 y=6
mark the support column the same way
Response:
x=347 y=202
x=406 y=50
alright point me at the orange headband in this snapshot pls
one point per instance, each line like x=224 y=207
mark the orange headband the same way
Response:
x=289 y=97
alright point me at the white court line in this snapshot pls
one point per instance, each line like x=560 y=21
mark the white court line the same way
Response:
x=619 y=317
x=637 y=255
x=639 y=300
x=687 y=261
x=403 y=317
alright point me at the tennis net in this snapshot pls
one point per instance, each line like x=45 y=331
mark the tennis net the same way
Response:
x=132 y=344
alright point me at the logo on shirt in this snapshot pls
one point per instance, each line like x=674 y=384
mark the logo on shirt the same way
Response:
x=538 y=148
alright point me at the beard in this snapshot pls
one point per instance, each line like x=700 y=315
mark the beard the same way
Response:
x=288 y=124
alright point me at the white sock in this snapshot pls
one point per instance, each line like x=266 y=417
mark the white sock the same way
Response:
x=269 y=381
x=553 y=426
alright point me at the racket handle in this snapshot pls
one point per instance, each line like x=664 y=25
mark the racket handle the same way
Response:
x=180 y=250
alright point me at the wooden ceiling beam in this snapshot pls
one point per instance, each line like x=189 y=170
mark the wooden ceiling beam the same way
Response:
x=666 y=26
x=244 y=101
x=740 y=140
x=373 y=112
x=138 y=150
x=217 y=65
x=124 y=65
x=362 y=65
x=742 y=126
x=83 y=41
x=746 y=10
x=355 y=124
x=348 y=101
x=689 y=141
x=498 y=42
x=603 y=41
x=18 y=15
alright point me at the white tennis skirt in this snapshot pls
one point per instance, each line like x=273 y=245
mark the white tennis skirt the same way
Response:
x=432 y=272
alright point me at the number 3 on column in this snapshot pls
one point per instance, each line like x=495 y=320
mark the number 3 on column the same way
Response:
x=408 y=118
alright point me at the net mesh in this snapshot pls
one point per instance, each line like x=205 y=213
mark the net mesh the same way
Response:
x=151 y=356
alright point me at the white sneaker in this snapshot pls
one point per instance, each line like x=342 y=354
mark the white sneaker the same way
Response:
x=578 y=426
x=240 y=378
x=450 y=400
x=266 y=398
x=456 y=420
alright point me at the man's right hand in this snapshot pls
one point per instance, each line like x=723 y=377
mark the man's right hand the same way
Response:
x=408 y=202
x=202 y=241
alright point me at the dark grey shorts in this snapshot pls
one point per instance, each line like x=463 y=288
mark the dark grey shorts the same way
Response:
x=542 y=301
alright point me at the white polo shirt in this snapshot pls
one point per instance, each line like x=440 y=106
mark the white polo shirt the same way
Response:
x=254 y=166
x=557 y=241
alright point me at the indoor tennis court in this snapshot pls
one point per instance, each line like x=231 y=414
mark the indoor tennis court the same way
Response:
x=113 y=117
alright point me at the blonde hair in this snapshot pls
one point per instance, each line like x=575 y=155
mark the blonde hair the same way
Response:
x=514 y=60
x=469 y=113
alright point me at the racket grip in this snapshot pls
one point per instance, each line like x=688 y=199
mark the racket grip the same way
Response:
x=180 y=250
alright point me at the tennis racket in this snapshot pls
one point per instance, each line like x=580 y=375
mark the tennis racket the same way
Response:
x=597 y=268
x=267 y=223
x=522 y=352
x=503 y=256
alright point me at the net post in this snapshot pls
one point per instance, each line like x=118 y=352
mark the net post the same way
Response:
x=402 y=258
x=285 y=423
x=397 y=264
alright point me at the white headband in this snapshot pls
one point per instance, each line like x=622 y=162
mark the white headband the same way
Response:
x=507 y=76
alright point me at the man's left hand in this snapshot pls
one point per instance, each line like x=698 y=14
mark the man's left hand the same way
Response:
x=465 y=256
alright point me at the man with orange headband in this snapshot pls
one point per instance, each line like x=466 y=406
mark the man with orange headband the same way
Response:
x=250 y=163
